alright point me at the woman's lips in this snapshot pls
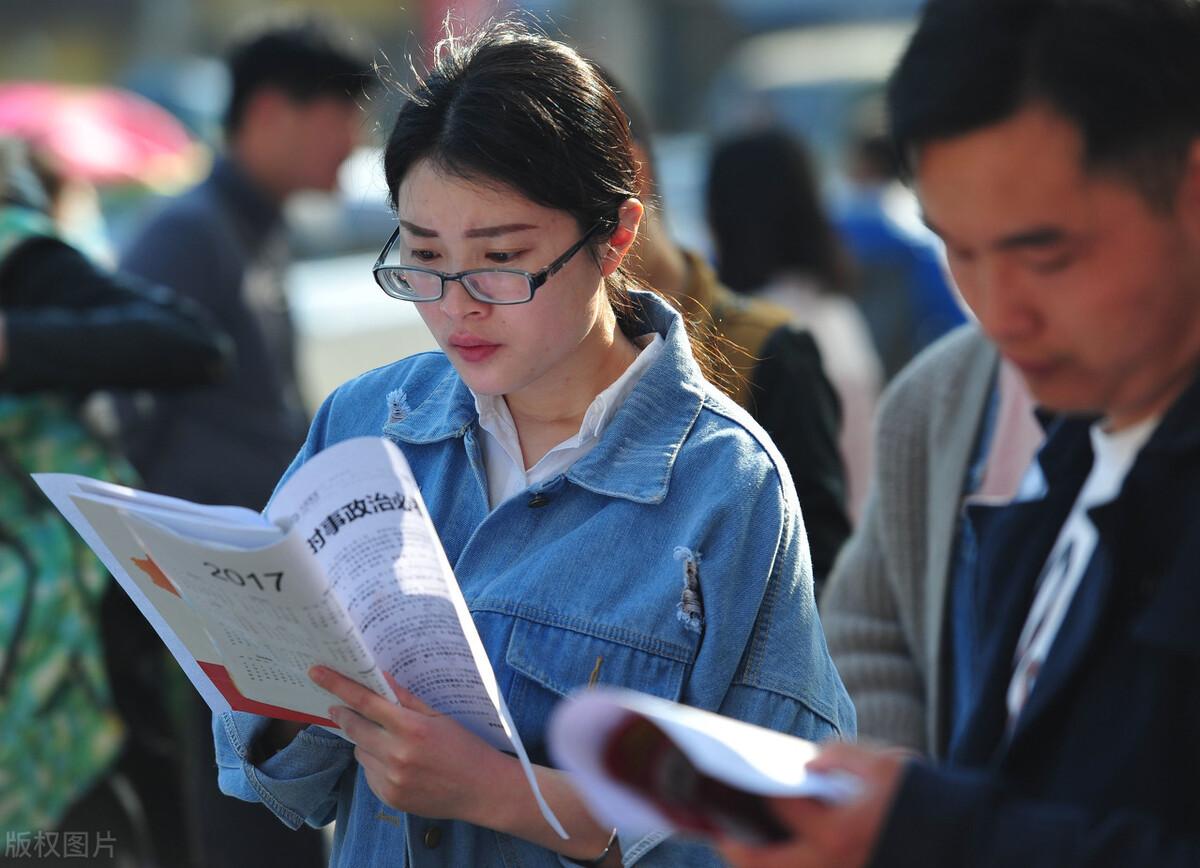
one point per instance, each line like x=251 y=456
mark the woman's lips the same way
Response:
x=471 y=348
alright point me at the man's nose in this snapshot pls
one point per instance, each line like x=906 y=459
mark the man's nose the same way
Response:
x=1005 y=300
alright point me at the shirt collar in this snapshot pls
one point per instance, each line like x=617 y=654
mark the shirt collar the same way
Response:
x=495 y=418
x=637 y=450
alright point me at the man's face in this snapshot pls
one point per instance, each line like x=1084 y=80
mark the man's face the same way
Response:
x=319 y=135
x=1089 y=291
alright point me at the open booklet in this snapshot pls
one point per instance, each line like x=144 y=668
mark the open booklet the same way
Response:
x=344 y=570
x=647 y=765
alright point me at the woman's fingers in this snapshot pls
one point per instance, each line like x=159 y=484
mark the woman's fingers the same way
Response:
x=362 y=700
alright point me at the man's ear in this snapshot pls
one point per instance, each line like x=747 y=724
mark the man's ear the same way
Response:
x=629 y=217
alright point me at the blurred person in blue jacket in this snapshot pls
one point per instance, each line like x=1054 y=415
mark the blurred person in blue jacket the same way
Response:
x=901 y=283
x=292 y=120
x=611 y=516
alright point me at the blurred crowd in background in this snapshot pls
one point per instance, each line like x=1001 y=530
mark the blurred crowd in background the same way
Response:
x=705 y=69
x=770 y=164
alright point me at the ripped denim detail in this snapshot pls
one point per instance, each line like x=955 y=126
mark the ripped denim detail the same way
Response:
x=690 y=610
x=397 y=406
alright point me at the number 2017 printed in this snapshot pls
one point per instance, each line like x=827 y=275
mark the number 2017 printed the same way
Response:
x=227 y=575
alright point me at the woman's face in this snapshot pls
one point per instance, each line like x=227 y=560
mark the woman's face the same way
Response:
x=452 y=224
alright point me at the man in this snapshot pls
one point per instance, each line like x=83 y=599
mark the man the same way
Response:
x=772 y=369
x=1067 y=189
x=293 y=118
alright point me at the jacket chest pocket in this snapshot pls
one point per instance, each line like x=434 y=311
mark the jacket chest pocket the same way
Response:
x=548 y=662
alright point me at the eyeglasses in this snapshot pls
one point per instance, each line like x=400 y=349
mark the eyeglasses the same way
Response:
x=489 y=285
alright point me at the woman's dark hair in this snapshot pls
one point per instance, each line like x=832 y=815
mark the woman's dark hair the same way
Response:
x=513 y=106
x=766 y=214
x=1125 y=72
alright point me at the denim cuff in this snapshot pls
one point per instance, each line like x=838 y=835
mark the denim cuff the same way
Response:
x=298 y=783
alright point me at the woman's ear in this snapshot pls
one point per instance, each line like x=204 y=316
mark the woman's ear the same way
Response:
x=629 y=216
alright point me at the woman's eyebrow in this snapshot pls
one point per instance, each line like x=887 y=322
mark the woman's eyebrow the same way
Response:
x=481 y=232
x=419 y=231
x=502 y=229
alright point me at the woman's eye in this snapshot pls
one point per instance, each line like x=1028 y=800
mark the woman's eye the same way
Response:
x=502 y=257
x=423 y=255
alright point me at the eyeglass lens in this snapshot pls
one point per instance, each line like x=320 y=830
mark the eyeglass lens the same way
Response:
x=487 y=285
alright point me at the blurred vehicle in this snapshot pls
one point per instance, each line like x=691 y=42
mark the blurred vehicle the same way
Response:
x=814 y=80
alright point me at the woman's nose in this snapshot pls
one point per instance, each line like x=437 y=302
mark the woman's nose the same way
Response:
x=457 y=303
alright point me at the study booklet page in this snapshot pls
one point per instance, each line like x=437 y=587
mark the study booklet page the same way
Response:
x=345 y=570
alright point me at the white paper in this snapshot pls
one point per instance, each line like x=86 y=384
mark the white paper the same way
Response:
x=744 y=756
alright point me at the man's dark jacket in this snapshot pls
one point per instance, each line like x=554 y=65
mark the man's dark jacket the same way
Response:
x=1103 y=766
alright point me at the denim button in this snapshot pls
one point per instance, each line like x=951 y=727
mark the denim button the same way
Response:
x=538 y=500
x=433 y=837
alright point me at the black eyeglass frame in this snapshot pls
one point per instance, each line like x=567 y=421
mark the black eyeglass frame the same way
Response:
x=535 y=279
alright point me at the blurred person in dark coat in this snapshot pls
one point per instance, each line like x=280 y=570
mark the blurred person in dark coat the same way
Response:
x=67 y=328
x=774 y=242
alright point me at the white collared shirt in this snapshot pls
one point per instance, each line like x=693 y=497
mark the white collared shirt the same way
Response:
x=506 y=472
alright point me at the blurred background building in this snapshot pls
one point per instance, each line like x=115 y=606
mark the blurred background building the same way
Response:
x=703 y=67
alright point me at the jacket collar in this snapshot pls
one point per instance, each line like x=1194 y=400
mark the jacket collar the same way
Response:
x=1024 y=533
x=636 y=454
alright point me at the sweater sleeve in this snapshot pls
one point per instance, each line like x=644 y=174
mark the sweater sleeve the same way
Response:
x=868 y=642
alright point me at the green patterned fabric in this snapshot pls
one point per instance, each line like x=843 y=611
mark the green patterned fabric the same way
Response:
x=58 y=727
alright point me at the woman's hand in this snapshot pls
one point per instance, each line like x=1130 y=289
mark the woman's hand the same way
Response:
x=415 y=759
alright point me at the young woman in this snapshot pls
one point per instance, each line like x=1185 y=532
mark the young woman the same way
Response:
x=610 y=516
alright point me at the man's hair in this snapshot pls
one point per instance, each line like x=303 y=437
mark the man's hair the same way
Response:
x=304 y=56
x=1125 y=72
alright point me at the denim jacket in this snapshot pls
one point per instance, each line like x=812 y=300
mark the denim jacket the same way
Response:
x=671 y=559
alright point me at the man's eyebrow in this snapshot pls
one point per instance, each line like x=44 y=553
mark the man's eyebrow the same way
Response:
x=1039 y=236
x=481 y=232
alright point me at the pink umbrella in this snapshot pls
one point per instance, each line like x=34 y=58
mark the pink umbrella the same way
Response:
x=101 y=134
